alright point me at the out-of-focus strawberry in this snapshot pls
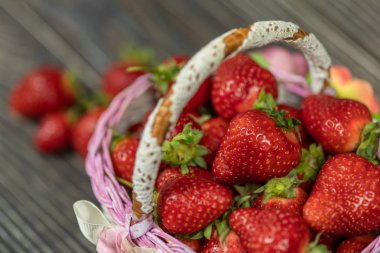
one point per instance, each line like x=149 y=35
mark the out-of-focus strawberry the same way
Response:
x=194 y=244
x=43 y=90
x=231 y=244
x=53 y=133
x=117 y=77
x=237 y=83
x=83 y=130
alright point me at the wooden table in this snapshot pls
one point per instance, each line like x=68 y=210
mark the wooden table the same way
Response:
x=36 y=191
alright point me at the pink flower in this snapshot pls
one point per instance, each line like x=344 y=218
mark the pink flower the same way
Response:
x=348 y=87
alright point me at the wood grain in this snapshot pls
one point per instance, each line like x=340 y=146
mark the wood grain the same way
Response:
x=37 y=192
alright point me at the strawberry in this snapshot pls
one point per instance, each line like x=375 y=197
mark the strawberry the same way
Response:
x=270 y=230
x=190 y=204
x=184 y=149
x=346 y=197
x=194 y=244
x=355 y=244
x=334 y=123
x=170 y=175
x=293 y=201
x=117 y=77
x=183 y=120
x=236 y=85
x=256 y=149
x=231 y=244
x=43 y=90
x=83 y=130
x=123 y=157
x=305 y=139
x=214 y=131
x=53 y=133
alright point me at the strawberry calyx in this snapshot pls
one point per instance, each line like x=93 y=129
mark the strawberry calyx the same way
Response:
x=312 y=160
x=124 y=182
x=260 y=59
x=72 y=85
x=137 y=54
x=369 y=143
x=246 y=195
x=284 y=187
x=267 y=104
x=315 y=247
x=184 y=150
x=116 y=139
x=162 y=76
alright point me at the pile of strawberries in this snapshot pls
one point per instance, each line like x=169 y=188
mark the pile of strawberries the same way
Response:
x=66 y=112
x=239 y=172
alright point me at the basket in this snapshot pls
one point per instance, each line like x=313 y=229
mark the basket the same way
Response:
x=132 y=223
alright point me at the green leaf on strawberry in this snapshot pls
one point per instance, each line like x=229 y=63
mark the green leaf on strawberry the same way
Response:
x=184 y=150
x=311 y=162
x=284 y=187
x=369 y=145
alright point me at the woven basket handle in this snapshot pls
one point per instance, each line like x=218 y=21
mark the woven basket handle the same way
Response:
x=200 y=66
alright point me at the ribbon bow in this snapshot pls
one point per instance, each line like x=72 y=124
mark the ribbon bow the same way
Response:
x=107 y=237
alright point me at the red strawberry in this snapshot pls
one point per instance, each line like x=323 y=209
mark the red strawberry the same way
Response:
x=296 y=114
x=53 y=133
x=294 y=203
x=335 y=123
x=346 y=197
x=43 y=90
x=231 y=244
x=117 y=77
x=270 y=230
x=355 y=244
x=84 y=129
x=214 y=131
x=123 y=157
x=183 y=120
x=190 y=204
x=194 y=244
x=172 y=174
x=236 y=85
x=255 y=149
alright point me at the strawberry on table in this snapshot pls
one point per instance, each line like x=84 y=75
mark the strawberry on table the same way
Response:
x=346 y=197
x=258 y=146
x=355 y=244
x=123 y=157
x=335 y=123
x=83 y=130
x=237 y=83
x=43 y=90
x=270 y=230
x=53 y=132
x=190 y=204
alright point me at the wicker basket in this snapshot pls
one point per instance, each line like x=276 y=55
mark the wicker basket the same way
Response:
x=134 y=215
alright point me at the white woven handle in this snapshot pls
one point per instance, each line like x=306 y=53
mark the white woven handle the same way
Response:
x=200 y=66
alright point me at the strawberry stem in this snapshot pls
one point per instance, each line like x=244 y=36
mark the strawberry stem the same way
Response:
x=184 y=150
x=267 y=104
x=312 y=160
x=284 y=187
x=369 y=145
x=314 y=247
x=124 y=182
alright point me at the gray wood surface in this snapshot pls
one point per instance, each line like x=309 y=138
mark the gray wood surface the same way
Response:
x=37 y=192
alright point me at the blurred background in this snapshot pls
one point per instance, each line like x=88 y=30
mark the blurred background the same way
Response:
x=85 y=36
